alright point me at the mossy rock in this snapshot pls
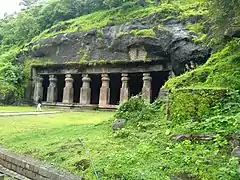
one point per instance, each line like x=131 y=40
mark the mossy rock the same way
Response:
x=193 y=104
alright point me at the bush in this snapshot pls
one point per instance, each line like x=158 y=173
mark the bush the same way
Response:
x=193 y=104
x=135 y=110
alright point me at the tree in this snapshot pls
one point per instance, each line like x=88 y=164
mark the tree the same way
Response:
x=28 y=3
x=223 y=14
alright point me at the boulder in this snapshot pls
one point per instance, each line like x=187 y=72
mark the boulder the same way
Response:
x=82 y=164
x=118 y=124
x=202 y=137
x=236 y=152
x=232 y=32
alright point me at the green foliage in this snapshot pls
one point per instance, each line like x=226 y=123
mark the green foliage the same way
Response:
x=223 y=14
x=221 y=70
x=193 y=104
x=197 y=29
x=121 y=34
x=143 y=32
x=134 y=110
x=142 y=150
x=126 y=12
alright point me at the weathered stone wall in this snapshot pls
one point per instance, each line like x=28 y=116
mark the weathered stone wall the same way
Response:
x=31 y=168
x=137 y=53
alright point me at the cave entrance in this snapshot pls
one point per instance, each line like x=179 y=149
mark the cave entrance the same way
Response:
x=158 y=80
x=95 y=88
x=77 y=84
x=135 y=84
x=45 y=85
x=60 y=86
x=115 y=86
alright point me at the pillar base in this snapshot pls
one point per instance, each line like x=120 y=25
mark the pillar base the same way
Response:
x=104 y=97
x=52 y=94
x=67 y=95
x=124 y=95
x=85 y=96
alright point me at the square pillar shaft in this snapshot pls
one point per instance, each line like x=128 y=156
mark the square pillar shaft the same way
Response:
x=85 y=91
x=104 y=96
x=147 y=87
x=68 y=90
x=124 y=91
x=38 y=89
x=52 y=89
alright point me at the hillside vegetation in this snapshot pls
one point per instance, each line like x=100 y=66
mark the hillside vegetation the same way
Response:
x=202 y=107
x=143 y=149
x=50 y=18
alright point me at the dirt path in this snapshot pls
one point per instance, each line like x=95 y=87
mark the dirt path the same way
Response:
x=27 y=113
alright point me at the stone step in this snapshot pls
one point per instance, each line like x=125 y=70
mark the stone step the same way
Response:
x=6 y=174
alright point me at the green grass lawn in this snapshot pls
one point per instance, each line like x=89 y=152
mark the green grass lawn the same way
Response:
x=139 y=151
x=55 y=134
x=16 y=108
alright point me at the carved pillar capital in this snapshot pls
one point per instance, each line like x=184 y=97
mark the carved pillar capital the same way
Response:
x=39 y=79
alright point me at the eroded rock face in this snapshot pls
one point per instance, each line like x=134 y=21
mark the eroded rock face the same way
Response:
x=172 y=42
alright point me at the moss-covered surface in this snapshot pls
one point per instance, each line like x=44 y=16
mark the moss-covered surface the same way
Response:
x=221 y=70
x=178 y=9
x=143 y=32
x=193 y=104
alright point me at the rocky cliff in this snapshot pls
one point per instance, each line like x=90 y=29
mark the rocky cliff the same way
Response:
x=147 y=38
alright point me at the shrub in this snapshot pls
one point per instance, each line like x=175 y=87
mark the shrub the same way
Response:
x=135 y=110
x=193 y=104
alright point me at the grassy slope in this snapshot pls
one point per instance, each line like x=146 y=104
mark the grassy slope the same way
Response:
x=140 y=151
x=125 y=13
x=47 y=133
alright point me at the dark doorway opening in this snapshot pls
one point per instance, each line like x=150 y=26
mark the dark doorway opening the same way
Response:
x=135 y=84
x=77 y=84
x=60 y=86
x=158 y=80
x=95 y=88
x=45 y=85
x=115 y=85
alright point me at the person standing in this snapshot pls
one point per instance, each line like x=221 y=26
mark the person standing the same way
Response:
x=39 y=103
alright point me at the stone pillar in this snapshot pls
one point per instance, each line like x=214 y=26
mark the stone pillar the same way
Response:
x=85 y=91
x=104 y=97
x=147 y=87
x=124 y=92
x=52 y=89
x=68 y=90
x=38 y=89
